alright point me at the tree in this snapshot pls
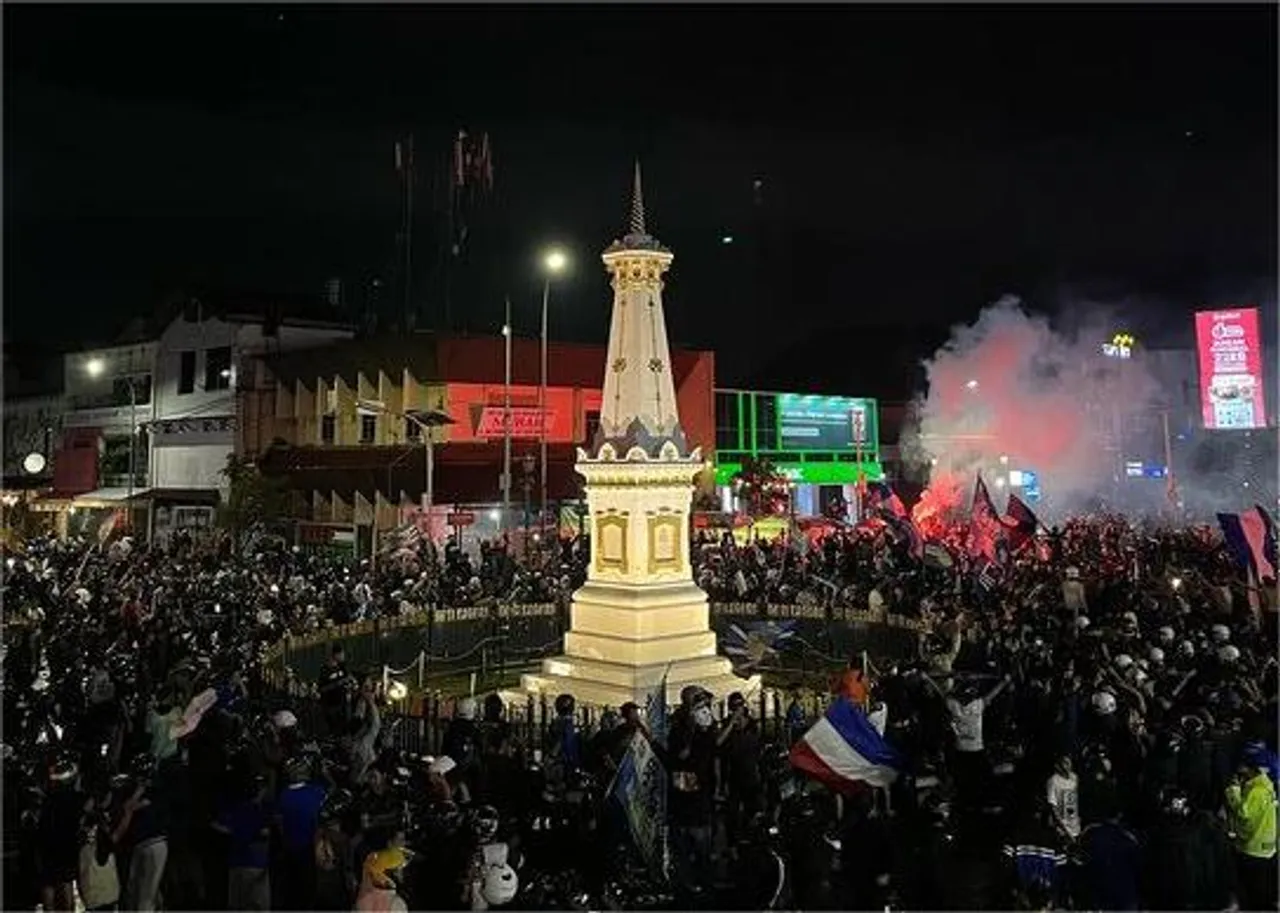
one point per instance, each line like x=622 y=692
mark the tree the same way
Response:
x=253 y=498
x=764 y=489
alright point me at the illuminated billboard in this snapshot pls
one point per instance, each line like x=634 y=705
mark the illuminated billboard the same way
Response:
x=838 y=423
x=1230 y=355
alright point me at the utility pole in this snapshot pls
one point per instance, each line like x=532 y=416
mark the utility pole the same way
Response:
x=506 y=419
x=406 y=177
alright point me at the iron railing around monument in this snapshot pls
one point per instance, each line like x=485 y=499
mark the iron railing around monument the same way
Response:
x=482 y=648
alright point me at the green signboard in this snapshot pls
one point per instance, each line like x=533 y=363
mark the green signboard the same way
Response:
x=823 y=473
x=826 y=423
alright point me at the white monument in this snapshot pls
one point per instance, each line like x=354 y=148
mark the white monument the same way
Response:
x=640 y=616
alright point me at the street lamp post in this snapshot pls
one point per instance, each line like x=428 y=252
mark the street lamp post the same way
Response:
x=527 y=463
x=553 y=263
x=94 y=367
x=426 y=422
x=506 y=420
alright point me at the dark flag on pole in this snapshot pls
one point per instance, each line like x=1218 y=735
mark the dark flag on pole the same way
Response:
x=1020 y=523
x=986 y=532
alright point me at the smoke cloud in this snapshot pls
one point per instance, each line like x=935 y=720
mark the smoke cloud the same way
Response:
x=1009 y=393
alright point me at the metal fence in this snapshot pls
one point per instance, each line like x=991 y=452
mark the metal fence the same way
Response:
x=477 y=649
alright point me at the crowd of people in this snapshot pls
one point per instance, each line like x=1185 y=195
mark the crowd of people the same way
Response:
x=1093 y=729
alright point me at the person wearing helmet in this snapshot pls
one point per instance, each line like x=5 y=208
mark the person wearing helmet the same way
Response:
x=380 y=881
x=98 y=880
x=562 y=748
x=298 y=809
x=462 y=743
x=335 y=883
x=739 y=746
x=59 y=835
x=334 y=686
x=691 y=751
x=143 y=830
x=1251 y=811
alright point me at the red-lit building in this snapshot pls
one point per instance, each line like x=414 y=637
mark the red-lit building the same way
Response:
x=335 y=423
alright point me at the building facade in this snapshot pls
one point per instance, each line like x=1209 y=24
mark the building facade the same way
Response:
x=146 y=428
x=335 y=424
x=823 y=444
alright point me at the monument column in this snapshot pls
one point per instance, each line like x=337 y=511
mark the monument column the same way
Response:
x=640 y=616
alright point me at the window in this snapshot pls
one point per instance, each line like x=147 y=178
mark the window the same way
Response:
x=328 y=428
x=217 y=368
x=593 y=425
x=187 y=373
x=412 y=430
x=139 y=395
x=766 y=422
x=368 y=428
x=726 y=421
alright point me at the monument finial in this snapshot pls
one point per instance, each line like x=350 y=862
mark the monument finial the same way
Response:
x=637 y=206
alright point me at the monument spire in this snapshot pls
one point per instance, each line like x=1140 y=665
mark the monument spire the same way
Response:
x=639 y=404
x=637 y=206
x=640 y=621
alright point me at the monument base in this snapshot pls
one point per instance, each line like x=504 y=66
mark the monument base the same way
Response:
x=625 y=638
x=604 y=684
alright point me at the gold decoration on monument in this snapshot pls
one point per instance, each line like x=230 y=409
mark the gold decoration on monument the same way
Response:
x=611 y=534
x=664 y=543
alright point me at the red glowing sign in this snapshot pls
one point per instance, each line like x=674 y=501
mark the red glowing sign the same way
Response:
x=526 y=422
x=1231 y=394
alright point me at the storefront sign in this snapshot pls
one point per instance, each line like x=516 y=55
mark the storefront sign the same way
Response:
x=826 y=423
x=1120 y=346
x=526 y=422
x=1231 y=384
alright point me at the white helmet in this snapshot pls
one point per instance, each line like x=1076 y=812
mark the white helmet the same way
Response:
x=1165 y=634
x=500 y=885
x=1124 y=661
x=1139 y=677
x=1104 y=703
x=1220 y=633
x=1156 y=656
x=1082 y=622
x=284 y=719
x=467 y=708
x=1187 y=649
x=1228 y=653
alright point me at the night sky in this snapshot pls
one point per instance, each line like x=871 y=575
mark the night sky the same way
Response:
x=915 y=164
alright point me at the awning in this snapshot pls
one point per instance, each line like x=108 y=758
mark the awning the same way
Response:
x=185 y=496
x=107 y=498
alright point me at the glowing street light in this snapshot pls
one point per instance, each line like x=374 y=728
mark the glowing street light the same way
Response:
x=554 y=262
x=94 y=367
x=971 y=385
x=1004 y=460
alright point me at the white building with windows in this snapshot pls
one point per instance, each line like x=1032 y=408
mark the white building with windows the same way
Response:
x=179 y=395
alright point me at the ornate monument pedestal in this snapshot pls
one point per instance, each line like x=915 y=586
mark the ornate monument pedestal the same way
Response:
x=640 y=617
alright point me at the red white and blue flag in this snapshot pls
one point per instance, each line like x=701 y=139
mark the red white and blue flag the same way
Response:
x=844 y=749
